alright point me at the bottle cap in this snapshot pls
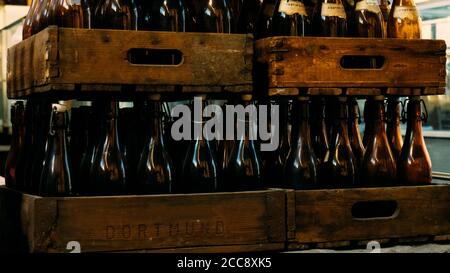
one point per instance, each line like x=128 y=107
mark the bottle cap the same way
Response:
x=415 y=98
x=303 y=98
x=342 y=99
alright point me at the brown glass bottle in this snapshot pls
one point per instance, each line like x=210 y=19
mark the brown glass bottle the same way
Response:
x=367 y=20
x=71 y=13
x=56 y=177
x=163 y=15
x=93 y=125
x=263 y=27
x=213 y=16
x=43 y=18
x=339 y=162
x=154 y=170
x=378 y=167
x=290 y=18
x=18 y=138
x=25 y=156
x=40 y=128
x=27 y=30
x=300 y=168
x=414 y=164
x=404 y=20
x=319 y=133
x=393 y=131
x=199 y=173
x=368 y=122
x=330 y=19
x=108 y=168
x=243 y=168
x=79 y=134
x=116 y=14
x=354 y=134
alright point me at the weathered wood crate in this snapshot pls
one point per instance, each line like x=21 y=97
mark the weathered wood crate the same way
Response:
x=344 y=217
x=219 y=222
x=323 y=66
x=72 y=62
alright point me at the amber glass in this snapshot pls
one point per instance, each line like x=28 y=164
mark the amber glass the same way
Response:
x=116 y=14
x=330 y=19
x=243 y=168
x=71 y=13
x=290 y=18
x=367 y=20
x=378 y=167
x=56 y=177
x=300 y=169
x=213 y=16
x=27 y=30
x=404 y=20
x=41 y=17
x=17 y=141
x=393 y=131
x=108 y=168
x=414 y=165
x=354 y=134
x=154 y=170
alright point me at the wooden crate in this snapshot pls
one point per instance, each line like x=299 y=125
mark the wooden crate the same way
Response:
x=312 y=66
x=72 y=62
x=328 y=218
x=219 y=222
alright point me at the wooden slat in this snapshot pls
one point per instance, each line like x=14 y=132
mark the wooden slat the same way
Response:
x=325 y=215
x=129 y=223
x=315 y=62
x=58 y=56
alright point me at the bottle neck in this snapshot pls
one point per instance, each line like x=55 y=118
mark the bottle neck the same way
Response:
x=378 y=117
x=393 y=112
x=156 y=124
x=415 y=116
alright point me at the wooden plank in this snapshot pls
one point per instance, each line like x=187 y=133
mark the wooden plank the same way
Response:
x=100 y=57
x=326 y=215
x=128 y=223
x=316 y=62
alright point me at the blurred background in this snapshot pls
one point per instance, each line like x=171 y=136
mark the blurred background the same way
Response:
x=436 y=25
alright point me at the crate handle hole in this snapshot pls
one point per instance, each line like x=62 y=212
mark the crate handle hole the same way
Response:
x=362 y=62
x=145 y=56
x=367 y=210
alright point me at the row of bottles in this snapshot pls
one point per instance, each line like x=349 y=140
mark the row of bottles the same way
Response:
x=217 y=16
x=336 y=18
x=106 y=150
x=329 y=18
